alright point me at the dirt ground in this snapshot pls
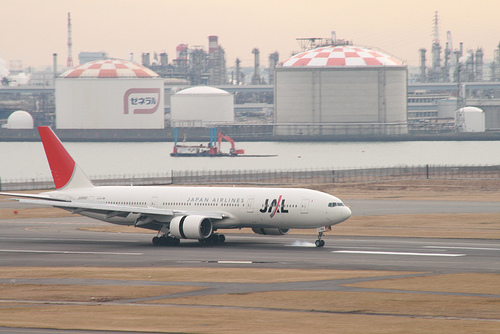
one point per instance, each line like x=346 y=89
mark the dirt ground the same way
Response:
x=443 y=190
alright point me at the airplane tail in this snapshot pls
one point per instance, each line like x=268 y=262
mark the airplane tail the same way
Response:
x=65 y=171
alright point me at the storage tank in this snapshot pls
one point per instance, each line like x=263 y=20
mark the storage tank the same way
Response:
x=200 y=106
x=341 y=84
x=109 y=94
x=470 y=119
x=20 y=120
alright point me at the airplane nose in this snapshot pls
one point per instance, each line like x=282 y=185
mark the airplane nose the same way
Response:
x=346 y=212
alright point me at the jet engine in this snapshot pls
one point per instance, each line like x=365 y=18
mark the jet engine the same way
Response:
x=191 y=227
x=271 y=231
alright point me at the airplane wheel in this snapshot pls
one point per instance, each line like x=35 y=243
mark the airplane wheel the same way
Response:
x=221 y=238
x=156 y=241
x=319 y=243
x=171 y=241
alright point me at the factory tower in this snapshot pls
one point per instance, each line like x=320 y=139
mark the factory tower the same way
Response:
x=69 y=63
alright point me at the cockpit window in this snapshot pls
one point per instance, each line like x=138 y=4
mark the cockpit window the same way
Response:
x=332 y=205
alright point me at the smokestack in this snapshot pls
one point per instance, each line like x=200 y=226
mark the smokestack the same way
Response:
x=54 y=66
x=163 y=59
x=146 y=60
x=213 y=43
x=256 y=73
x=479 y=65
x=238 y=75
x=273 y=62
x=69 y=63
x=422 y=64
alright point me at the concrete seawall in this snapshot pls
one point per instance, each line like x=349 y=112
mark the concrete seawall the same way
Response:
x=238 y=133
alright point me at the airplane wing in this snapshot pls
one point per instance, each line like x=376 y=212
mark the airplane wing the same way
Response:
x=113 y=210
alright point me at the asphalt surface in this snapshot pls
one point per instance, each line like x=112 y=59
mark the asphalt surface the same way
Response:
x=59 y=242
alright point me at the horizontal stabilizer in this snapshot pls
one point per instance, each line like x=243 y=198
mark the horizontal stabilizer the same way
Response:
x=34 y=196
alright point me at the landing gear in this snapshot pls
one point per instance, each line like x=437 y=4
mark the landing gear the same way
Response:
x=319 y=242
x=165 y=240
x=215 y=238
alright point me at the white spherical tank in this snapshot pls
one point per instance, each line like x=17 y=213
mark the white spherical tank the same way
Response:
x=20 y=120
x=341 y=84
x=109 y=94
x=200 y=106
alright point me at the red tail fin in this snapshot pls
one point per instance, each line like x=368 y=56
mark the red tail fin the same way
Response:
x=64 y=169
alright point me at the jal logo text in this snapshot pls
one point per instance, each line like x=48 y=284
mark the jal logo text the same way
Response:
x=274 y=206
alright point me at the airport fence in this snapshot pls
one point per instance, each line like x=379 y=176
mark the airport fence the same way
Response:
x=276 y=177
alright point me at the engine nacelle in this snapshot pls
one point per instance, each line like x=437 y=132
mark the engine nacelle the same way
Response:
x=191 y=227
x=271 y=231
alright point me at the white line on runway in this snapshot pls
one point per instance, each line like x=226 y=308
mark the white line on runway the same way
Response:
x=235 y=262
x=65 y=252
x=473 y=248
x=395 y=253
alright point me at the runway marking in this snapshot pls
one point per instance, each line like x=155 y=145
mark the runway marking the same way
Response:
x=235 y=262
x=65 y=252
x=472 y=248
x=396 y=253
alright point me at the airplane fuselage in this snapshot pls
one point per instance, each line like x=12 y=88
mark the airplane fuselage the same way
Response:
x=243 y=207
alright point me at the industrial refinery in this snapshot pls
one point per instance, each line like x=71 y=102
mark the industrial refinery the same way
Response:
x=331 y=89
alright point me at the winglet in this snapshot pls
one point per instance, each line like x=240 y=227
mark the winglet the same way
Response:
x=65 y=171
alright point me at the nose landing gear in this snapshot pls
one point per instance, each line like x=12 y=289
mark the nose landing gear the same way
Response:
x=321 y=230
x=319 y=242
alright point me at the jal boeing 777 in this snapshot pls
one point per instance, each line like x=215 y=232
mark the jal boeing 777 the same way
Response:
x=177 y=213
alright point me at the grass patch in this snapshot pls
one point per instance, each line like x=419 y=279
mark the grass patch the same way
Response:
x=469 y=226
x=355 y=302
x=213 y=320
x=84 y=293
x=458 y=283
x=265 y=312
x=223 y=275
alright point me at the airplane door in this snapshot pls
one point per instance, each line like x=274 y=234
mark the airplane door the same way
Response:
x=304 y=206
x=154 y=202
x=250 y=203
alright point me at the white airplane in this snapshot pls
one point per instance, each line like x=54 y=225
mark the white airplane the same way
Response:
x=184 y=212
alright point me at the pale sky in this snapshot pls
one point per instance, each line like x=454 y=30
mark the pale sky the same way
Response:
x=32 y=30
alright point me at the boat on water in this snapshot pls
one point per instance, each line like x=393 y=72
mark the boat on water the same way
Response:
x=213 y=149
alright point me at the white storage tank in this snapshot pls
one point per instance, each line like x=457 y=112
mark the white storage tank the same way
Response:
x=470 y=119
x=109 y=94
x=341 y=84
x=20 y=120
x=200 y=106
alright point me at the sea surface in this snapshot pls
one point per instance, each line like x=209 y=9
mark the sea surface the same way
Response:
x=26 y=160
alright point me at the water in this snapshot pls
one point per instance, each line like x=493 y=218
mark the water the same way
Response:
x=26 y=160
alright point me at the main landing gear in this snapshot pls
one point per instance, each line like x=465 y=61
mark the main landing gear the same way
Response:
x=319 y=242
x=215 y=238
x=165 y=240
